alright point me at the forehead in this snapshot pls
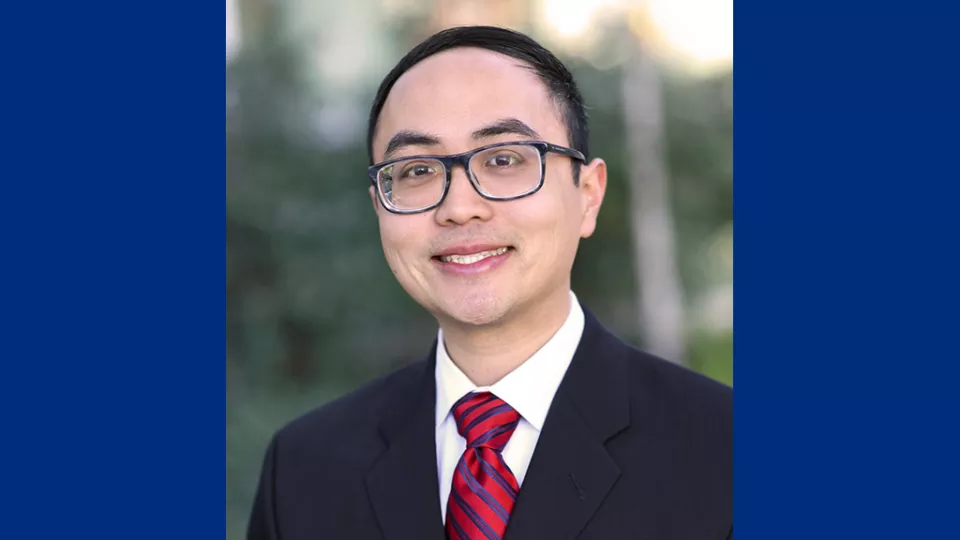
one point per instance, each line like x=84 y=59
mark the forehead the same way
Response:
x=452 y=93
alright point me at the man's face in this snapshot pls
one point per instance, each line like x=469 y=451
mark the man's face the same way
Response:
x=449 y=97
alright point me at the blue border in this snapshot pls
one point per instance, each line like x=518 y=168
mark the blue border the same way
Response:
x=113 y=283
x=846 y=273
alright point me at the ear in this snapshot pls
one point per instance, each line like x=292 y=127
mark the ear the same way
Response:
x=373 y=199
x=593 y=186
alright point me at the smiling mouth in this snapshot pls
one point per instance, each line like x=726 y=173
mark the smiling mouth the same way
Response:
x=472 y=258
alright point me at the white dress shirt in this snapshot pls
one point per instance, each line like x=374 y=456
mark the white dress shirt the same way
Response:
x=529 y=389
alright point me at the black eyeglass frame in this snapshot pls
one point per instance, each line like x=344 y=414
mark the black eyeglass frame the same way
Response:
x=463 y=160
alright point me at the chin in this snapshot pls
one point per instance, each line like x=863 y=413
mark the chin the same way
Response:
x=476 y=310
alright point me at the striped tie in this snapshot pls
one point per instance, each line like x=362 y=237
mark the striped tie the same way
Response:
x=484 y=489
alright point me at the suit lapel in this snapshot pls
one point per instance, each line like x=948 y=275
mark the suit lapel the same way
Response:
x=571 y=471
x=402 y=485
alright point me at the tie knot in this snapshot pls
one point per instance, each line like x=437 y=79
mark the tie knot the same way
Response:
x=485 y=420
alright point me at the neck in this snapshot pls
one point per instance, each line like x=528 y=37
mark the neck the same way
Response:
x=489 y=353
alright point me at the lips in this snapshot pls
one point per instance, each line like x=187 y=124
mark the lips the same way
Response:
x=472 y=262
x=472 y=258
x=467 y=259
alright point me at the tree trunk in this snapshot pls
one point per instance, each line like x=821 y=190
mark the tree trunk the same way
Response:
x=659 y=288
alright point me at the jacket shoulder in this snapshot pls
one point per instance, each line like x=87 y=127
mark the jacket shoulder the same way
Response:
x=681 y=381
x=681 y=388
x=684 y=421
x=353 y=418
x=672 y=394
x=689 y=414
x=659 y=382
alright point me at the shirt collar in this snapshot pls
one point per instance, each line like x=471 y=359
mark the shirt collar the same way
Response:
x=530 y=388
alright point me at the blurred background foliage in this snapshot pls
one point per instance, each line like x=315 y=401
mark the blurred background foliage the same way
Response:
x=312 y=308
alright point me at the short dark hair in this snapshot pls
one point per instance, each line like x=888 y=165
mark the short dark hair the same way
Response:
x=557 y=78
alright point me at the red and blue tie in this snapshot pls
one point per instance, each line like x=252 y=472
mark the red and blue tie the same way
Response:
x=484 y=489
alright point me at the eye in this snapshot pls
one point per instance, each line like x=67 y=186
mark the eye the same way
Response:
x=504 y=160
x=417 y=169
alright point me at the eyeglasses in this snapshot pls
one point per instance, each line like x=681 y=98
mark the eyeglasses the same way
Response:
x=498 y=172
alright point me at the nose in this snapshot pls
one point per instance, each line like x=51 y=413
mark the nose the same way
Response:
x=463 y=204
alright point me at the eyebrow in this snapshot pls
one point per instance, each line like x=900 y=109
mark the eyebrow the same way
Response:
x=406 y=138
x=504 y=126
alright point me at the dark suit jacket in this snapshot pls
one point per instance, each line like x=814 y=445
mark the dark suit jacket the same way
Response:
x=633 y=447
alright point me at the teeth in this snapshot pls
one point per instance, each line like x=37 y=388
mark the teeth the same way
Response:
x=475 y=257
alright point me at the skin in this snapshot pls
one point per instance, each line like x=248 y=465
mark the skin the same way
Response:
x=496 y=319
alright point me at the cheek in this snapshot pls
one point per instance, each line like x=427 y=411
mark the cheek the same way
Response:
x=393 y=248
x=561 y=233
x=546 y=231
x=401 y=243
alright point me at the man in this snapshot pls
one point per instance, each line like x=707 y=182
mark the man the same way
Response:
x=526 y=419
